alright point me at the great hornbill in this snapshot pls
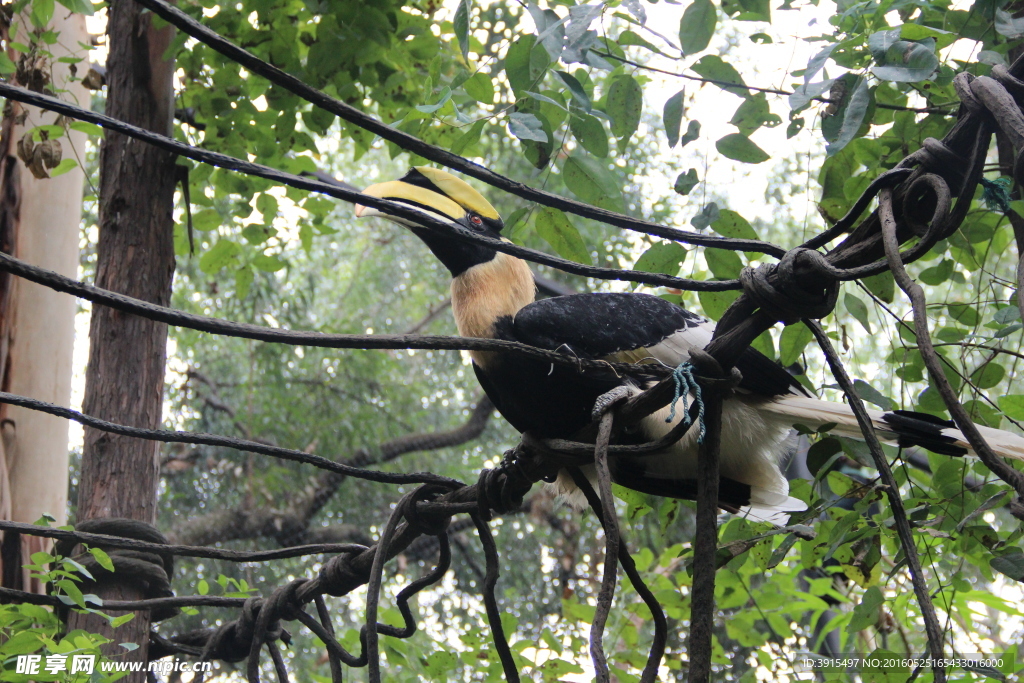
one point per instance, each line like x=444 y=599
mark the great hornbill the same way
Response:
x=493 y=297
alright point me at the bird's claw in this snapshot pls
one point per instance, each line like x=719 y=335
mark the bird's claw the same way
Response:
x=608 y=400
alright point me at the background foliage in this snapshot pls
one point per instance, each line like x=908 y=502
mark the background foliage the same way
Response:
x=568 y=97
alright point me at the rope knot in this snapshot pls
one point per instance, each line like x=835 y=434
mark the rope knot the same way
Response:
x=148 y=571
x=425 y=525
x=337 y=576
x=800 y=285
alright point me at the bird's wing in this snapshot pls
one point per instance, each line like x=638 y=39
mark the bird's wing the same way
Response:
x=636 y=328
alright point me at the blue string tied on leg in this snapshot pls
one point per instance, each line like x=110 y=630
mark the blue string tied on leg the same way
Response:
x=684 y=380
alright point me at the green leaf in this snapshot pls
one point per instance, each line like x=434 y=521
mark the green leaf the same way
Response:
x=243 y=281
x=525 y=63
x=717 y=69
x=1007 y=315
x=63 y=167
x=624 y=104
x=554 y=227
x=439 y=663
x=266 y=204
x=7 y=67
x=258 y=234
x=872 y=395
x=628 y=37
x=882 y=285
x=50 y=132
x=866 y=613
x=590 y=133
x=579 y=94
x=634 y=499
x=842 y=126
x=102 y=558
x=803 y=95
x=708 y=215
x=1008 y=25
x=222 y=254
x=686 y=182
x=1010 y=563
x=692 y=133
x=664 y=257
x=817 y=62
x=27 y=642
x=714 y=304
x=964 y=314
x=997 y=500
x=268 y=263
x=544 y=98
x=921 y=32
x=72 y=590
x=589 y=180
x=697 y=26
x=41 y=13
x=673 y=117
x=469 y=138
x=739 y=147
x=1008 y=330
x=858 y=309
x=902 y=60
x=723 y=263
x=207 y=219
x=988 y=375
x=461 y=24
x=79 y=6
x=526 y=126
x=753 y=113
x=87 y=128
x=821 y=452
x=446 y=94
x=792 y=342
x=732 y=224
x=515 y=224
x=480 y=87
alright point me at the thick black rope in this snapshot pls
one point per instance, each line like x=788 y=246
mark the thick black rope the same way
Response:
x=149 y=571
x=108 y=541
x=171 y=316
x=705 y=539
x=200 y=438
x=611 y=548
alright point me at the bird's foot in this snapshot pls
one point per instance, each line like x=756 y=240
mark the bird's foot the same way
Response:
x=608 y=400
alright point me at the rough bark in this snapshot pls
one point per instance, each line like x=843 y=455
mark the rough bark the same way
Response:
x=39 y=223
x=135 y=256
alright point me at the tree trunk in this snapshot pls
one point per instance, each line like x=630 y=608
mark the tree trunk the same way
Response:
x=39 y=223
x=125 y=377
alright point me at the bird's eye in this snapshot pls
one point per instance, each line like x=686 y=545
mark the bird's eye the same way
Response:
x=476 y=220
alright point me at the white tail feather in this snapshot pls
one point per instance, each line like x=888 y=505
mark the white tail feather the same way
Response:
x=813 y=413
x=771 y=506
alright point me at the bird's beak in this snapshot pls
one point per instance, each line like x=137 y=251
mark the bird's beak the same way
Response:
x=417 y=198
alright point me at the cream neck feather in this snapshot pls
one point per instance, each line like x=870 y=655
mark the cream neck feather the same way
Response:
x=488 y=291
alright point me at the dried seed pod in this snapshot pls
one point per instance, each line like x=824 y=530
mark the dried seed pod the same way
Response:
x=25 y=148
x=51 y=152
